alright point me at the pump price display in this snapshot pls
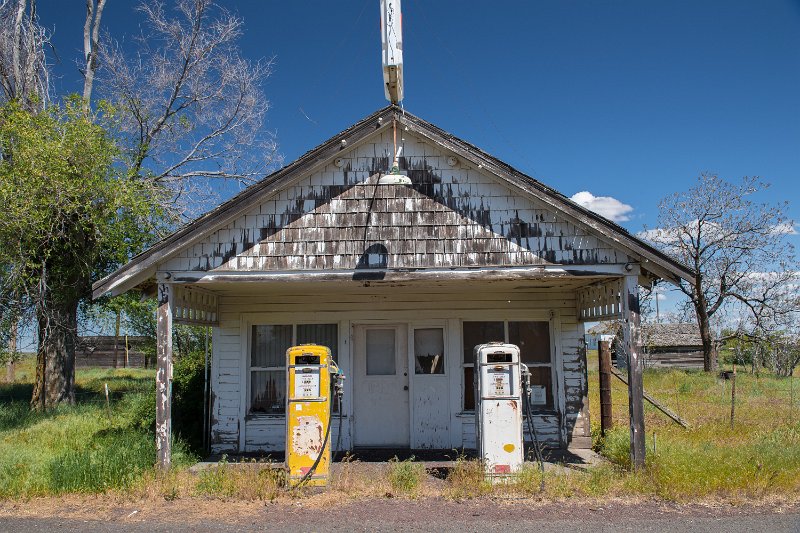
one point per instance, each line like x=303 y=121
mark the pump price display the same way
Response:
x=500 y=383
x=306 y=383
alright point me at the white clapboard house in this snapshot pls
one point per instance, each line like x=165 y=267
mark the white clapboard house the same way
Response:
x=401 y=281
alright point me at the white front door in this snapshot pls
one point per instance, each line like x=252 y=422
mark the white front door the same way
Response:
x=380 y=386
x=430 y=392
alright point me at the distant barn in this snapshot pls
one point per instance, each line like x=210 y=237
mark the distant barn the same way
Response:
x=675 y=345
x=98 y=351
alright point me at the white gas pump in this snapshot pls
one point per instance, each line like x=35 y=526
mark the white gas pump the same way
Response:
x=502 y=395
x=498 y=409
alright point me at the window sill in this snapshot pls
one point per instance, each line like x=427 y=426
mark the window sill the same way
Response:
x=265 y=416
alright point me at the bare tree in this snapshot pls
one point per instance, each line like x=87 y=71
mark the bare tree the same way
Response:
x=91 y=43
x=191 y=108
x=738 y=251
x=24 y=74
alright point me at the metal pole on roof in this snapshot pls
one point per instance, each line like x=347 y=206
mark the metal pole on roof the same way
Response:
x=392 y=50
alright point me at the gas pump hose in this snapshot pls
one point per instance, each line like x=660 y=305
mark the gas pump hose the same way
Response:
x=534 y=437
x=339 y=434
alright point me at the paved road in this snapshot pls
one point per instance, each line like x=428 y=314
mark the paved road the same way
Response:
x=404 y=515
x=774 y=523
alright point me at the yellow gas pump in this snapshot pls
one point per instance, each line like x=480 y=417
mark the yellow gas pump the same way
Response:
x=308 y=407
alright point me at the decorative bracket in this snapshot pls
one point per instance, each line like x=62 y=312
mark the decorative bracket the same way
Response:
x=194 y=306
x=600 y=302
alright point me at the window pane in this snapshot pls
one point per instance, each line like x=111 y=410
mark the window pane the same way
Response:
x=270 y=344
x=322 y=334
x=381 y=352
x=267 y=391
x=469 y=389
x=429 y=351
x=533 y=339
x=476 y=333
x=541 y=387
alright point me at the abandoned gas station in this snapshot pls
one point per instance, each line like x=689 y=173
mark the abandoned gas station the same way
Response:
x=401 y=279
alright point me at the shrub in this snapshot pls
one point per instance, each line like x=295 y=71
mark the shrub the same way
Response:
x=187 y=401
x=405 y=476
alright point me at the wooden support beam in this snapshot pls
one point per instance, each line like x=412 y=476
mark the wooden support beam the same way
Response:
x=631 y=346
x=606 y=420
x=164 y=376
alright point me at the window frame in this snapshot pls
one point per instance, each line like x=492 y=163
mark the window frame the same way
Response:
x=413 y=355
x=249 y=413
x=555 y=387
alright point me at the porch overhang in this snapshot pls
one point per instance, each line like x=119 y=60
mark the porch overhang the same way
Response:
x=544 y=272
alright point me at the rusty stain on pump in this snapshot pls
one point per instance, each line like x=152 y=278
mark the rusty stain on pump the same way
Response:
x=308 y=436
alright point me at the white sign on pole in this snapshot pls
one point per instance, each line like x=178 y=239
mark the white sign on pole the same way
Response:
x=392 y=50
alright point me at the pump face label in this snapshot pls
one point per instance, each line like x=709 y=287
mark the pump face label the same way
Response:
x=500 y=384
x=306 y=383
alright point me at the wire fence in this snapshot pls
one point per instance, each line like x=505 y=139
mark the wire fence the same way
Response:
x=764 y=401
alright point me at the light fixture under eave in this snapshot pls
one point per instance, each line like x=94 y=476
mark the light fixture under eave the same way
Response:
x=394 y=179
x=395 y=175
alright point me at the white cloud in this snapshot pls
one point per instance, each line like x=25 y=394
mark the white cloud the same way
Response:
x=606 y=206
x=653 y=235
x=661 y=297
x=785 y=228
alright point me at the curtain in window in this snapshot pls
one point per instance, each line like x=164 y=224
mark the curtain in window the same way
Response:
x=268 y=391
x=322 y=334
x=269 y=345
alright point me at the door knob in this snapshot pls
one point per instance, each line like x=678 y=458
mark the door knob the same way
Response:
x=405 y=387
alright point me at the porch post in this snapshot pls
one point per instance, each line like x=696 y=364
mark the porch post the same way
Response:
x=632 y=346
x=164 y=376
x=604 y=359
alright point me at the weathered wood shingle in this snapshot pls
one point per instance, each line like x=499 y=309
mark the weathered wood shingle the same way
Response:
x=450 y=216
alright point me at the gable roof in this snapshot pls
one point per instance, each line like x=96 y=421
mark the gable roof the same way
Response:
x=142 y=267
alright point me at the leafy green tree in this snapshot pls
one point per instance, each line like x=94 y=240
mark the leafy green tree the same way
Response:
x=69 y=215
x=188 y=111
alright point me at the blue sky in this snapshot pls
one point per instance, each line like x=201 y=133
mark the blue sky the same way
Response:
x=629 y=99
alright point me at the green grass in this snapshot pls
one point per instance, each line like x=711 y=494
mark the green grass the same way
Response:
x=756 y=457
x=79 y=449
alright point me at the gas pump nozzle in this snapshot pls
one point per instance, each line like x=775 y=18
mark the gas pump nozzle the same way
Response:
x=338 y=390
x=525 y=378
